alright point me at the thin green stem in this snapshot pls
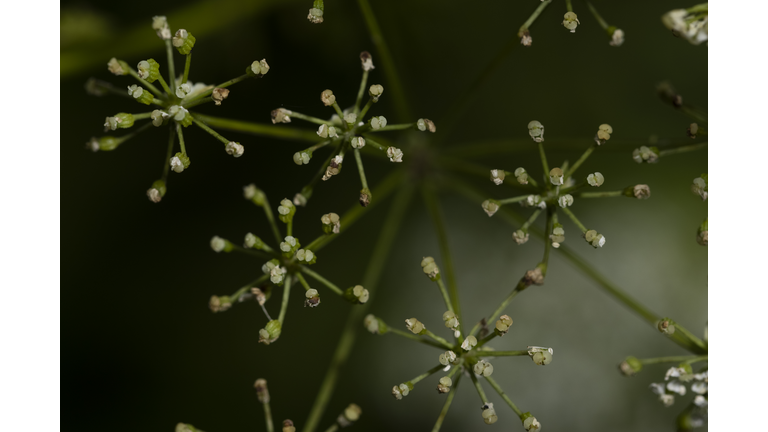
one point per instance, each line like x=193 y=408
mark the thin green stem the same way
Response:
x=447 y=405
x=205 y=127
x=433 y=206
x=527 y=24
x=544 y=165
x=580 y=161
x=568 y=5
x=607 y=194
x=268 y=417
x=479 y=388
x=258 y=281
x=181 y=138
x=375 y=144
x=371 y=278
x=361 y=169
x=486 y=339
x=573 y=188
x=333 y=428
x=671 y=359
x=413 y=337
x=682 y=149
x=187 y=63
x=141 y=116
x=169 y=153
x=311 y=246
x=317 y=146
x=165 y=87
x=693 y=338
x=395 y=127
x=171 y=64
x=438 y=339
x=504 y=396
x=597 y=16
x=492 y=317
x=575 y=220
x=286 y=296
x=310 y=119
x=253 y=252
x=501 y=353
x=361 y=91
x=531 y=220
x=271 y=218
x=328 y=284
x=197 y=102
x=548 y=244
x=390 y=71
x=303 y=281
x=339 y=113
x=289 y=227
x=426 y=374
x=145 y=84
x=513 y=200
x=697 y=359
x=446 y=297
x=210 y=90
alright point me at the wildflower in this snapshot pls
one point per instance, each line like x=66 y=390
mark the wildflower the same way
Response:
x=699 y=387
x=141 y=96
x=530 y=423
x=497 y=176
x=692 y=27
x=676 y=387
x=120 y=120
x=357 y=142
x=556 y=176
x=430 y=268
x=375 y=91
x=683 y=372
x=313 y=298
x=489 y=414
x=378 y=122
x=503 y=324
x=367 y=61
x=286 y=210
x=557 y=236
x=641 y=191
x=148 y=70
x=469 y=343
x=357 y=294
x=281 y=115
x=535 y=277
x=234 y=149
x=565 y=200
x=444 y=385
x=374 y=325
x=289 y=246
x=700 y=401
x=483 y=367
x=630 y=366
x=604 y=132
x=157 y=191
x=219 y=304
x=300 y=200
x=117 y=67
x=160 y=25
x=595 y=239
x=536 y=131
x=158 y=117
x=183 y=41
x=333 y=168
x=251 y=192
x=699 y=186
x=251 y=241
x=350 y=118
x=257 y=69
x=316 y=12
x=570 y=21
x=394 y=154
x=526 y=39
x=447 y=358
x=325 y=131
x=218 y=95
x=288 y=426
x=595 y=179
x=180 y=162
x=450 y=320
x=520 y=237
x=261 y=298
x=542 y=357
x=534 y=201
x=327 y=97
x=414 y=325
x=617 y=37
x=270 y=332
x=399 y=391
x=350 y=415
x=646 y=154
x=219 y=244
x=490 y=206
x=521 y=175
x=426 y=125
x=262 y=392
x=180 y=114
x=302 y=157
x=306 y=256
x=666 y=399
x=331 y=223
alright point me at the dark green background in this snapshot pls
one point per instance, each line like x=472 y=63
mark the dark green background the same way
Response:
x=143 y=352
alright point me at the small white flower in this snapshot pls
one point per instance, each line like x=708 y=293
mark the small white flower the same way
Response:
x=490 y=207
x=327 y=97
x=617 y=38
x=158 y=117
x=378 y=122
x=115 y=67
x=595 y=179
x=350 y=118
x=399 y=391
x=414 y=325
x=371 y=323
x=497 y=176
x=531 y=424
x=234 y=149
x=489 y=414
x=218 y=244
x=299 y=200
x=276 y=274
x=447 y=358
x=469 y=343
x=301 y=158
x=657 y=388
x=160 y=25
x=154 y=195
x=667 y=399
x=395 y=154
x=536 y=131
x=570 y=21
x=483 y=368
x=676 y=387
x=183 y=90
x=375 y=91
x=699 y=387
x=315 y=16
x=357 y=142
x=700 y=401
x=565 y=200
x=444 y=385
x=135 y=91
x=176 y=164
x=367 y=60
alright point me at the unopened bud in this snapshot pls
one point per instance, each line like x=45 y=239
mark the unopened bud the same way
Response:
x=257 y=69
x=542 y=356
x=262 y=392
x=160 y=25
x=630 y=366
x=426 y=125
x=289 y=246
x=219 y=304
x=378 y=122
x=497 y=176
x=489 y=414
x=520 y=236
x=219 y=244
x=530 y=423
x=302 y=157
x=556 y=176
x=375 y=91
x=570 y=21
x=617 y=36
x=218 y=95
x=469 y=343
x=595 y=179
x=331 y=223
x=183 y=41
x=327 y=97
x=350 y=118
x=118 y=67
x=234 y=149
x=140 y=95
x=374 y=325
x=604 y=132
x=503 y=324
x=316 y=13
x=286 y=210
x=596 y=240
x=367 y=60
x=490 y=206
x=357 y=294
x=251 y=192
x=306 y=256
x=521 y=175
x=414 y=325
x=536 y=131
x=157 y=191
x=350 y=415
x=430 y=268
x=450 y=320
x=558 y=235
x=270 y=333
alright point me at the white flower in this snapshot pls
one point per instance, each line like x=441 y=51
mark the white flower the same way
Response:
x=183 y=90
x=676 y=387
x=299 y=200
x=157 y=117
x=570 y=21
x=176 y=164
x=595 y=179
x=531 y=424
x=315 y=16
x=357 y=142
x=700 y=401
x=536 y=131
x=160 y=25
x=483 y=368
x=686 y=26
x=469 y=343
x=394 y=154
x=367 y=60
x=447 y=358
x=565 y=200
x=378 y=122
x=699 y=387
x=154 y=195
x=497 y=176
x=276 y=274
x=414 y=325
x=399 y=391
x=490 y=207
x=617 y=38
x=371 y=323
x=350 y=118
x=489 y=414
x=135 y=91
x=218 y=244
x=234 y=149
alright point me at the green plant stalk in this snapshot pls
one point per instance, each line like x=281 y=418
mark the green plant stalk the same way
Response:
x=317 y=146
x=597 y=16
x=551 y=216
x=568 y=5
x=271 y=219
x=256 y=128
x=375 y=144
x=414 y=337
x=531 y=220
x=671 y=359
x=328 y=284
x=213 y=133
x=303 y=282
x=268 y=417
x=693 y=113
x=321 y=170
x=575 y=220
x=365 y=109
x=607 y=194
x=289 y=227
x=447 y=404
x=693 y=338
x=438 y=339
x=165 y=86
x=360 y=169
x=426 y=374
x=137 y=131
x=504 y=396
x=587 y=153
x=339 y=113
x=697 y=359
x=254 y=252
x=486 y=339
x=180 y=133
x=197 y=102
x=529 y=22
x=371 y=278
x=395 y=127
x=286 y=296
x=433 y=206
x=572 y=188
x=682 y=149
x=361 y=91
x=479 y=388
x=492 y=317
x=168 y=154
x=393 y=78
x=501 y=353
x=210 y=90
x=513 y=200
x=333 y=428
x=544 y=165
x=307 y=118
x=171 y=64
x=187 y=63
x=446 y=297
x=236 y=295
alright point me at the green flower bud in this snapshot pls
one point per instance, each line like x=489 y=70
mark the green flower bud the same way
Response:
x=234 y=149
x=253 y=242
x=530 y=423
x=444 y=385
x=484 y=368
x=400 y=391
x=313 y=298
x=415 y=326
x=219 y=244
x=183 y=427
x=702 y=234
x=325 y=131
x=120 y=120
x=394 y=154
x=157 y=191
x=521 y=175
x=595 y=239
x=302 y=157
x=378 y=122
x=256 y=195
x=630 y=366
x=148 y=70
x=281 y=115
x=350 y=118
x=450 y=320
x=469 y=343
x=570 y=21
x=288 y=426
x=430 y=268
x=270 y=333
x=520 y=237
x=365 y=197
x=289 y=246
x=262 y=392
x=105 y=143
x=180 y=162
x=558 y=235
x=374 y=325
x=141 y=95
x=375 y=91
x=327 y=97
x=183 y=41
x=357 y=142
x=426 y=125
x=286 y=210
x=331 y=223
x=489 y=414
x=646 y=155
x=497 y=176
x=490 y=206
x=316 y=13
x=219 y=304
x=356 y=294
x=595 y=179
x=257 y=69
x=556 y=176
x=536 y=131
x=542 y=358
x=158 y=117
x=565 y=200
x=666 y=326
x=118 y=67
x=503 y=324
x=366 y=60
x=306 y=256
x=604 y=132
x=180 y=115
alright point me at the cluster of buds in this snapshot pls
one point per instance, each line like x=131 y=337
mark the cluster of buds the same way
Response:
x=699 y=187
x=316 y=12
x=691 y=24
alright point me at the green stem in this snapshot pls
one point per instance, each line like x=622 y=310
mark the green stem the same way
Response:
x=181 y=138
x=268 y=417
x=303 y=281
x=426 y=374
x=271 y=218
x=141 y=116
x=608 y=194
x=486 y=339
x=145 y=84
x=310 y=119
x=433 y=206
x=551 y=216
x=317 y=146
x=204 y=127
x=513 y=200
x=693 y=338
x=573 y=188
x=580 y=161
x=360 y=169
x=544 y=165
x=504 y=396
x=390 y=71
x=697 y=359
x=333 y=428
x=311 y=246
x=286 y=296
x=375 y=144
x=447 y=405
x=446 y=298
x=574 y=219
x=682 y=149
x=361 y=91
x=479 y=388
x=527 y=24
x=395 y=127
x=438 y=339
x=671 y=359
x=501 y=353
x=169 y=153
x=328 y=284
x=253 y=252
x=187 y=63
x=165 y=86
x=171 y=64
x=531 y=220
x=492 y=317
x=372 y=276
x=414 y=337
x=597 y=16
x=568 y=5
x=247 y=287
x=339 y=113
x=197 y=102
x=289 y=227
x=210 y=90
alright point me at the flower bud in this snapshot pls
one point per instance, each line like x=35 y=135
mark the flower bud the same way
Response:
x=503 y=324
x=700 y=187
x=469 y=343
x=447 y=358
x=521 y=175
x=158 y=118
x=378 y=122
x=160 y=25
x=276 y=274
x=530 y=423
x=306 y=256
x=366 y=59
x=595 y=179
x=350 y=118
x=489 y=414
x=270 y=332
x=262 y=392
x=570 y=21
x=558 y=235
x=375 y=91
x=520 y=236
x=394 y=154
x=665 y=326
x=374 y=325
x=646 y=154
x=234 y=149
x=414 y=325
x=497 y=176
x=327 y=97
x=534 y=277
x=430 y=268
x=148 y=70
x=180 y=162
x=141 y=95
x=556 y=176
x=219 y=244
x=350 y=415
x=300 y=199
x=257 y=69
x=118 y=67
x=218 y=95
x=157 y=191
x=289 y=246
x=536 y=131
x=604 y=132
x=316 y=13
x=617 y=36
x=426 y=125
x=630 y=366
x=281 y=115
x=399 y=391
x=251 y=241
x=180 y=114
x=565 y=200
x=325 y=131
x=534 y=201
x=219 y=304
x=525 y=38
x=183 y=427
x=331 y=223
x=702 y=234
x=541 y=355
x=365 y=197
x=357 y=142
x=105 y=143
x=302 y=157
x=356 y=294
x=120 y=120
x=288 y=426
x=450 y=320
x=286 y=210
x=490 y=206
x=313 y=298
x=484 y=368
x=444 y=385
x=251 y=192
x=183 y=41
x=595 y=239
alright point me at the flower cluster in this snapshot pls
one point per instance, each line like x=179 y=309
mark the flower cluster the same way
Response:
x=558 y=191
x=570 y=22
x=172 y=104
x=467 y=355
x=691 y=24
x=288 y=263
